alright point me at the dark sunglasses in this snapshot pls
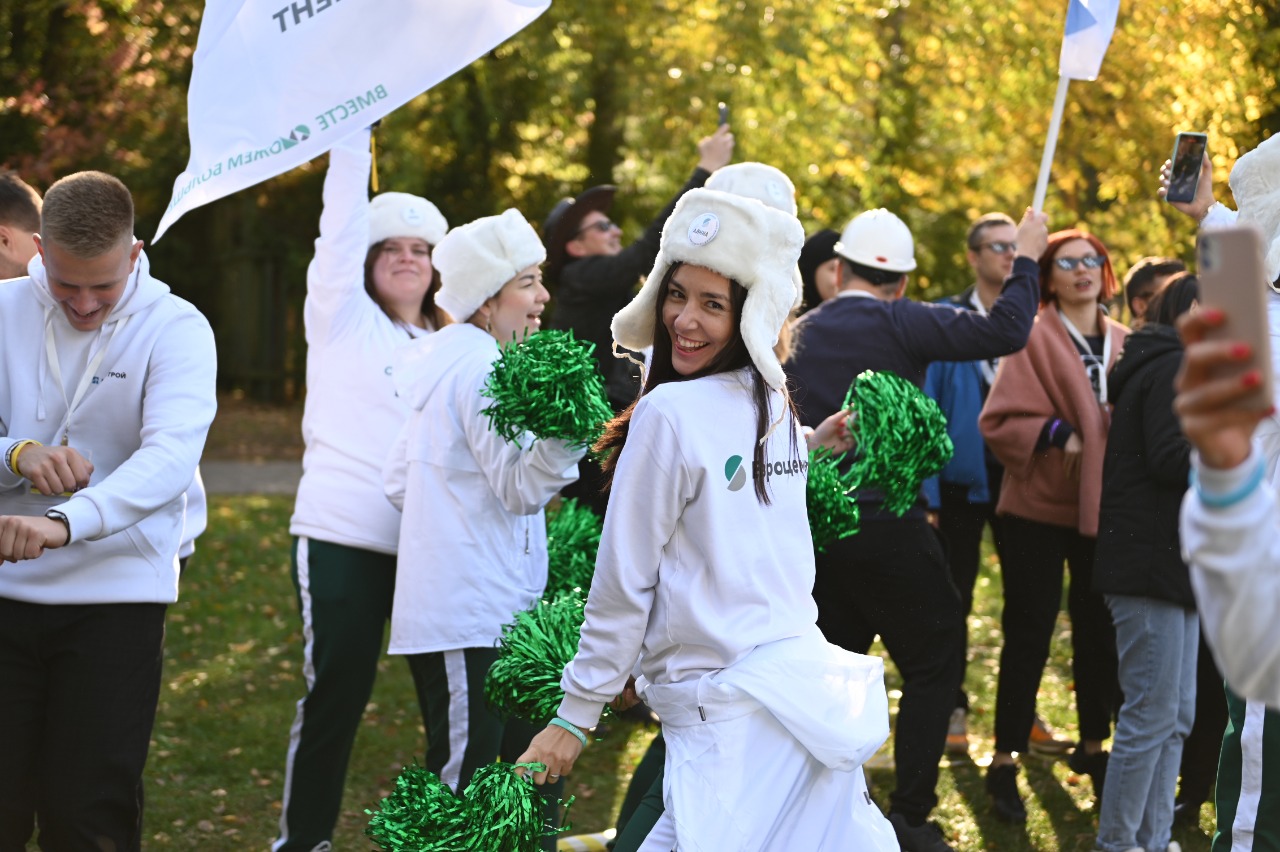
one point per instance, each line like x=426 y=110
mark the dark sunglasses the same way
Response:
x=998 y=247
x=604 y=226
x=1066 y=264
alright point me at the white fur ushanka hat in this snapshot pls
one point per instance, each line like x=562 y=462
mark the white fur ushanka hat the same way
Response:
x=476 y=259
x=741 y=239
x=399 y=214
x=765 y=184
x=1255 y=183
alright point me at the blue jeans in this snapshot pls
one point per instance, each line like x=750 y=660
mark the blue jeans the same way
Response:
x=1157 y=642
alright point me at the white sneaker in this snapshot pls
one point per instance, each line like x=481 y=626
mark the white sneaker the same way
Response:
x=1174 y=847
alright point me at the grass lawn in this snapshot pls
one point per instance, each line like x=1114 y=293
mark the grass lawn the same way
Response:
x=232 y=675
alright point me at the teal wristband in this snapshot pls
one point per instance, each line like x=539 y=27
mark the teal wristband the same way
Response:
x=571 y=728
x=1222 y=501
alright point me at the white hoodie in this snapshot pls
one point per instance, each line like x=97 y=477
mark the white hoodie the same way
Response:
x=352 y=413
x=694 y=572
x=473 y=544
x=142 y=424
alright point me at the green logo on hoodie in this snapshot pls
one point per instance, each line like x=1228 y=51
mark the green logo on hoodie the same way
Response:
x=735 y=473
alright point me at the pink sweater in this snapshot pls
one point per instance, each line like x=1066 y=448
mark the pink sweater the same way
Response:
x=1044 y=380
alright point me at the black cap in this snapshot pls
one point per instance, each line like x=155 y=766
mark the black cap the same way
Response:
x=565 y=219
x=817 y=250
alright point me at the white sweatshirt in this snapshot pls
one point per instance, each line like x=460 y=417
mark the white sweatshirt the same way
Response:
x=1234 y=550
x=142 y=423
x=473 y=545
x=1234 y=554
x=352 y=413
x=694 y=572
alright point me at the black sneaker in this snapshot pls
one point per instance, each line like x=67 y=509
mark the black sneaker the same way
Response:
x=1094 y=765
x=1002 y=784
x=925 y=837
x=1186 y=814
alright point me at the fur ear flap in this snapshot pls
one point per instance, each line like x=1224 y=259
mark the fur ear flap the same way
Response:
x=1255 y=184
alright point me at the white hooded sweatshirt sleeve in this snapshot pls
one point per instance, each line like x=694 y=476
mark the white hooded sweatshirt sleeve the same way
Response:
x=1230 y=530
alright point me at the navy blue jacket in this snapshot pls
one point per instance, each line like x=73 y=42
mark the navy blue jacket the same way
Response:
x=849 y=334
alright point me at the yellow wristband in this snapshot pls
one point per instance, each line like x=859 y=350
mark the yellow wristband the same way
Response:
x=17 y=451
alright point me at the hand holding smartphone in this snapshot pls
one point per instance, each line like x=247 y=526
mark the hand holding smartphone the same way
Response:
x=1184 y=173
x=1233 y=279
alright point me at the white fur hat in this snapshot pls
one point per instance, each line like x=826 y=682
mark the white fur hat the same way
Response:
x=762 y=182
x=399 y=214
x=1255 y=183
x=476 y=259
x=741 y=239
x=765 y=184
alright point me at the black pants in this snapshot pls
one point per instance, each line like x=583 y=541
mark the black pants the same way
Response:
x=1033 y=575
x=961 y=524
x=78 y=692
x=892 y=579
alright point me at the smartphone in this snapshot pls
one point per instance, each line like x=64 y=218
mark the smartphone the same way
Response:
x=1232 y=275
x=1184 y=173
x=724 y=114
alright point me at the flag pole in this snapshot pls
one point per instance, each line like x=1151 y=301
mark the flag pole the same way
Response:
x=1051 y=143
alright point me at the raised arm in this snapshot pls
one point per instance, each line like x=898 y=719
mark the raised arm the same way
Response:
x=335 y=277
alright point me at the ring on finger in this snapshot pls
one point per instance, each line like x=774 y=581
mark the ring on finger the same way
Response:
x=551 y=776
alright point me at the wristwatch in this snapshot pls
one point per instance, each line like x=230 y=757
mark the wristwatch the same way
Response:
x=56 y=515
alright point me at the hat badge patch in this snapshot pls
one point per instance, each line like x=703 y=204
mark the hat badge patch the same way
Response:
x=703 y=229
x=775 y=190
x=412 y=216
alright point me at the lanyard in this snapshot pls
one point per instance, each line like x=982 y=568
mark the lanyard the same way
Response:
x=86 y=379
x=988 y=365
x=1083 y=346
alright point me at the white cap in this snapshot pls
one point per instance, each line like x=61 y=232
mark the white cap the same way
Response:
x=741 y=239
x=880 y=240
x=1255 y=183
x=399 y=214
x=476 y=259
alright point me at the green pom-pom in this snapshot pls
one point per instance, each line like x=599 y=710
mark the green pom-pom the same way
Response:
x=499 y=811
x=421 y=815
x=505 y=811
x=573 y=539
x=901 y=437
x=833 y=512
x=547 y=385
x=534 y=649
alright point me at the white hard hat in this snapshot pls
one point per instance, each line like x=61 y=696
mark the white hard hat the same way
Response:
x=880 y=240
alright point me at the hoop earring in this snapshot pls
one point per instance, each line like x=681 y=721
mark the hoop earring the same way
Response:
x=488 y=324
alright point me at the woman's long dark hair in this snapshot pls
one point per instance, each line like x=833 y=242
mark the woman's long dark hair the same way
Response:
x=1173 y=300
x=660 y=370
x=438 y=318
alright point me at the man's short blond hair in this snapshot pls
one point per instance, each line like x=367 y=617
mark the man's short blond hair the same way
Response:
x=87 y=214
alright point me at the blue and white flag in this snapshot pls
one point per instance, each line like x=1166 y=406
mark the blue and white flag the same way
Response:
x=1090 y=24
x=276 y=83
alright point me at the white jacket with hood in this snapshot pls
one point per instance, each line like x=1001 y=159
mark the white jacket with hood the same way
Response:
x=473 y=543
x=141 y=423
x=352 y=413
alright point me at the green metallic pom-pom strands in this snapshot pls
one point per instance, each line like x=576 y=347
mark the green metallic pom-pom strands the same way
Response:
x=900 y=434
x=534 y=649
x=499 y=811
x=833 y=513
x=573 y=539
x=548 y=385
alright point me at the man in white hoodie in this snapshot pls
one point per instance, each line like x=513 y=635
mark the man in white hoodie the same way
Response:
x=106 y=394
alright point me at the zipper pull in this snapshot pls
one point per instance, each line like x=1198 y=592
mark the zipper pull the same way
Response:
x=526 y=538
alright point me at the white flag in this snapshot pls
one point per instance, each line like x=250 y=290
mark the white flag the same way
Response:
x=1090 y=24
x=276 y=83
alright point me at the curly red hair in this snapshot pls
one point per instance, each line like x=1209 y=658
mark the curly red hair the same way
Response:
x=1059 y=239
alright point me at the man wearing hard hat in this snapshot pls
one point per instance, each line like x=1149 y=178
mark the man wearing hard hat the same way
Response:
x=892 y=578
